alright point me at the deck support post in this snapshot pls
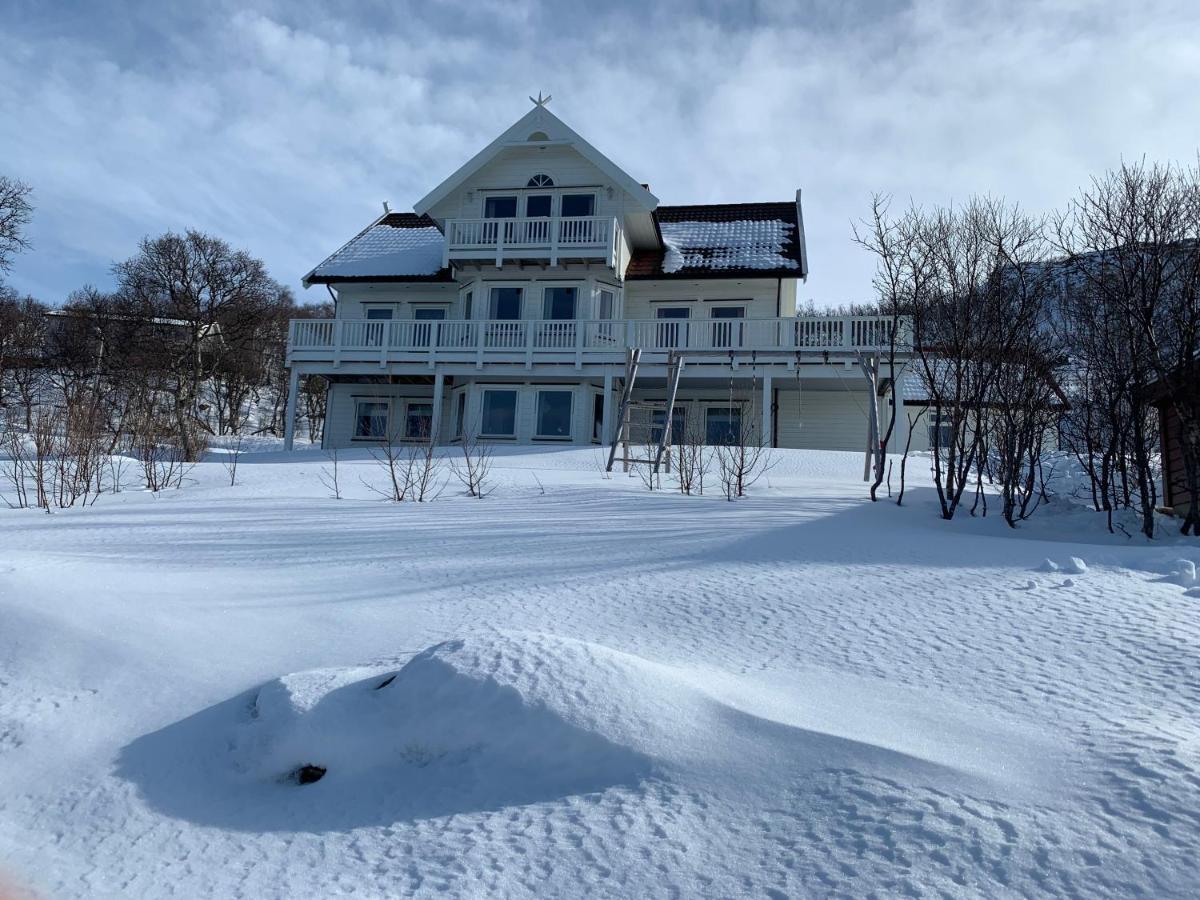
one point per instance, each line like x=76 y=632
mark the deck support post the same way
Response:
x=289 y=421
x=768 y=414
x=439 y=384
x=606 y=411
x=902 y=424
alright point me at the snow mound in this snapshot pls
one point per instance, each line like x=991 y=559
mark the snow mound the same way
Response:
x=506 y=720
x=1183 y=573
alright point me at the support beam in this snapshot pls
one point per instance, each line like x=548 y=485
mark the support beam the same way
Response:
x=768 y=414
x=289 y=421
x=606 y=411
x=439 y=383
x=900 y=436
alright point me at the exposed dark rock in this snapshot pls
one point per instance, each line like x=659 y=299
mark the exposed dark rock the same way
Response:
x=309 y=774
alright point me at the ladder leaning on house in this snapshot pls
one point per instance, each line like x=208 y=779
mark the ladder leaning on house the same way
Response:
x=629 y=407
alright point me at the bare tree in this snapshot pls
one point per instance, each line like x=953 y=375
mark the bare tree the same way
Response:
x=474 y=468
x=693 y=459
x=15 y=213
x=330 y=477
x=743 y=455
x=1132 y=242
x=208 y=300
x=232 y=455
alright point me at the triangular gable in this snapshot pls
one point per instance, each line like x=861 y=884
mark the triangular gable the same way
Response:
x=538 y=119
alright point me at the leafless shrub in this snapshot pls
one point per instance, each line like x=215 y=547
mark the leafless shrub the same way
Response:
x=230 y=460
x=474 y=467
x=743 y=458
x=329 y=474
x=692 y=458
x=425 y=468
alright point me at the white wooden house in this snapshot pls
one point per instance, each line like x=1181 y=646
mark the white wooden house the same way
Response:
x=506 y=303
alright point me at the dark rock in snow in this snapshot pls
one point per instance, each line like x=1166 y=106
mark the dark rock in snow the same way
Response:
x=309 y=774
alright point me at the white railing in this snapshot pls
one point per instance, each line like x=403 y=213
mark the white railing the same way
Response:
x=384 y=340
x=572 y=231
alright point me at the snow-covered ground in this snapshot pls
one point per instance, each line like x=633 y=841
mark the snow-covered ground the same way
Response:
x=577 y=688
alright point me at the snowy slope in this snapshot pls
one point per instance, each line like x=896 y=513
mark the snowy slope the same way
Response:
x=575 y=687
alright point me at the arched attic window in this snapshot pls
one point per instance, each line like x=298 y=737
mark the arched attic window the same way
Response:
x=538 y=136
x=538 y=181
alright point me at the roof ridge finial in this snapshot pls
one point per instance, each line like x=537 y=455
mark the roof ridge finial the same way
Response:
x=540 y=101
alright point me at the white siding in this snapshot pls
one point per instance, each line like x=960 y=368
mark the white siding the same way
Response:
x=511 y=171
x=339 y=417
x=823 y=420
x=354 y=299
x=759 y=296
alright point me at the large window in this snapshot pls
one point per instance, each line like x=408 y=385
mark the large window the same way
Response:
x=505 y=303
x=678 y=421
x=723 y=425
x=370 y=419
x=418 y=421
x=375 y=313
x=608 y=304
x=500 y=208
x=672 y=331
x=554 y=414
x=559 y=303
x=724 y=332
x=499 y=414
x=578 y=205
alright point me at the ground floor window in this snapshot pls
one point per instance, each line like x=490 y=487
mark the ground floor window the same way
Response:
x=941 y=432
x=370 y=419
x=418 y=421
x=598 y=418
x=678 y=420
x=499 y=414
x=723 y=425
x=554 y=414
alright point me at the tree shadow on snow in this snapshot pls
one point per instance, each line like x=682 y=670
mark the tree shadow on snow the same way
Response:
x=394 y=752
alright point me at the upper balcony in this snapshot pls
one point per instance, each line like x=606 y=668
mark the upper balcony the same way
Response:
x=809 y=339
x=551 y=240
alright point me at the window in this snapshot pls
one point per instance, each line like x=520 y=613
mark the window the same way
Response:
x=468 y=304
x=500 y=208
x=505 y=303
x=578 y=205
x=499 y=414
x=608 y=303
x=540 y=180
x=941 y=433
x=677 y=425
x=672 y=333
x=381 y=312
x=418 y=420
x=559 y=303
x=460 y=415
x=554 y=414
x=598 y=418
x=726 y=333
x=722 y=425
x=370 y=419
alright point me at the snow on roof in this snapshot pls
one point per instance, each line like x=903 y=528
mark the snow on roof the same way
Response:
x=399 y=245
x=723 y=240
x=742 y=244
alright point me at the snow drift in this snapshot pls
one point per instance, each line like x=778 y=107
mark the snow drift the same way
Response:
x=508 y=720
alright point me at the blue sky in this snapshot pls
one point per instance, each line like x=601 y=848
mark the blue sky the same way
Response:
x=281 y=126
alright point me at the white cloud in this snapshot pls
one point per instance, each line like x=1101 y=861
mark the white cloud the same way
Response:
x=281 y=127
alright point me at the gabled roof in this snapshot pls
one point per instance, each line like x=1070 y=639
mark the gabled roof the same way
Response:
x=557 y=132
x=725 y=240
x=395 y=247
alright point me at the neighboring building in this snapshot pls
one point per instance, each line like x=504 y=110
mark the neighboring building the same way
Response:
x=505 y=305
x=1176 y=496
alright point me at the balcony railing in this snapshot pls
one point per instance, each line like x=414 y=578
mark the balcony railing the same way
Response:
x=596 y=340
x=550 y=238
